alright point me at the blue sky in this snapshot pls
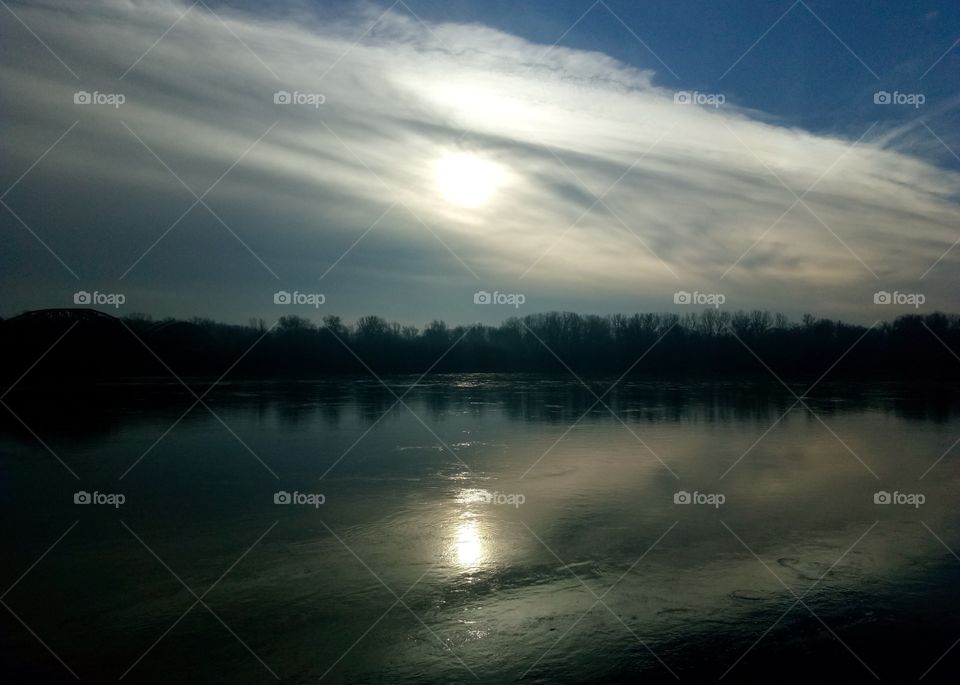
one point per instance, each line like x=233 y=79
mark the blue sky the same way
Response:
x=537 y=148
x=799 y=71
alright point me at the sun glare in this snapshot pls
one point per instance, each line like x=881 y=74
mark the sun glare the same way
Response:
x=469 y=547
x=467 y=180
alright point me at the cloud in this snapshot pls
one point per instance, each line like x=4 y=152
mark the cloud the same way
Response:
x=692 y=196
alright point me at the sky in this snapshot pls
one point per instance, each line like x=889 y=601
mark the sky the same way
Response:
x=408 y=158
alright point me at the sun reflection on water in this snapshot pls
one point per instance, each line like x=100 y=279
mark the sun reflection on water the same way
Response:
x=468 y=545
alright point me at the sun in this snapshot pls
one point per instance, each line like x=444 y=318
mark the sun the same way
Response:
x=467 y=180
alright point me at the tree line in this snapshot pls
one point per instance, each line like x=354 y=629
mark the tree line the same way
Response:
x=707 y=343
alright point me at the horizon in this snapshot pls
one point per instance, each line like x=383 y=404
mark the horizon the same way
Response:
x=703 y=345
x=316 y=317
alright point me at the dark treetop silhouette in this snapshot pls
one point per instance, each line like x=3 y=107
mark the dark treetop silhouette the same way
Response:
x=94 y=345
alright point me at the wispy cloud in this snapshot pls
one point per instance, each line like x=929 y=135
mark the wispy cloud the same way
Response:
x=690 y=190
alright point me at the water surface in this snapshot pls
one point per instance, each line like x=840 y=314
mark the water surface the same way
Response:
x=486 y=528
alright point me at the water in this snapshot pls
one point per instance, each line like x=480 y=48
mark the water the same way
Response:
x=471 y=534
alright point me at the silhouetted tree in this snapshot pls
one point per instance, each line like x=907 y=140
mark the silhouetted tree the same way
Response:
x=711 y=342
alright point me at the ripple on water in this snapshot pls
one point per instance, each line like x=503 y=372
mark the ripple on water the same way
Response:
x=753 y=595
x=808 y=570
